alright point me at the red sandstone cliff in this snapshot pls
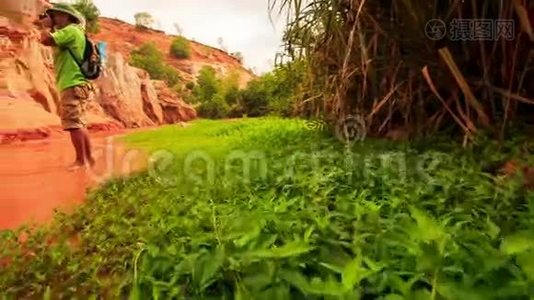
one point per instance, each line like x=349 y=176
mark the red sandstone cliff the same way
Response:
x=126 y=96
x=122 y=37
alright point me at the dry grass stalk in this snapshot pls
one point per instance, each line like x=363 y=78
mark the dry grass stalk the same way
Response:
x=366 y=56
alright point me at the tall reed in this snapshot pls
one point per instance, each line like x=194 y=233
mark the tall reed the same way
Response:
x=375 y=58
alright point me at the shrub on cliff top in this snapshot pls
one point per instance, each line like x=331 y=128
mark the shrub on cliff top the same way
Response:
x=143 y=20
x=148 y=57
x=90 y=12
x=180 y=47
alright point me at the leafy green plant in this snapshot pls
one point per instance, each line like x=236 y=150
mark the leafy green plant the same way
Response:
x=148 y=57
x=299 y=216
x=180 y=47
x=273 y=93
x=190 y=86
x=255 y=98
x=207 y=84
x=215 y=108
x=217 y=96
x=90 y=12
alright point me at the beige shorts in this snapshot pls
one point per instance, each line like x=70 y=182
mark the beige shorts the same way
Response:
x=73 y=107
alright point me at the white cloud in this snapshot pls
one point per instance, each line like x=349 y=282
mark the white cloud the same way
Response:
x=244 y=25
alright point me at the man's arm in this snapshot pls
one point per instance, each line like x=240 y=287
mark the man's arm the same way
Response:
x=47 y=39
x=45 y=25
x=62 y=38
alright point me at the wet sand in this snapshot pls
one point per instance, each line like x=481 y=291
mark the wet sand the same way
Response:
x=34 y=180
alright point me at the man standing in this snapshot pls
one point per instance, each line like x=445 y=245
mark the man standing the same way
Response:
x=63 y=29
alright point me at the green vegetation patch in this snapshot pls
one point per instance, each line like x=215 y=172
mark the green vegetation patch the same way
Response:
x=180 y=47
x=271 y=209
x=272 y=94
x=90 y=12
x=149 y=58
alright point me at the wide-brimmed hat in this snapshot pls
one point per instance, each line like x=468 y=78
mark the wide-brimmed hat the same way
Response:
x=67 y=9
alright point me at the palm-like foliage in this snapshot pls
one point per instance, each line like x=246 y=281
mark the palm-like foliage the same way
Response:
x=373 y=58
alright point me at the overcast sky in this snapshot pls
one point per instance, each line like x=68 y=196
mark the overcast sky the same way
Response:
x=244 y=25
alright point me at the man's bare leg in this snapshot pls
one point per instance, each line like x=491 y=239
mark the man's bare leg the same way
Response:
x=77 y=137
x=87 y=148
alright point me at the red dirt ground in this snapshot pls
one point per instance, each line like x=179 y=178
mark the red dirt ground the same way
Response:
x=34 y=181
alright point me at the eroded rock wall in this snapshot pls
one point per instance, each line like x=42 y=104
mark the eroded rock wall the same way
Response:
x=175 y=110
x=29 y=99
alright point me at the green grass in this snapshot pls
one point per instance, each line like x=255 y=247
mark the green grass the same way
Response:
x=339 y=224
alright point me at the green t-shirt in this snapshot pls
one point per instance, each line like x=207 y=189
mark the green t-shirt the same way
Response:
x=68 y=73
